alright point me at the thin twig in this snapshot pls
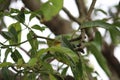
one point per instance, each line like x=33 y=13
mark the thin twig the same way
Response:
x=91 y=9
x=44 y=37
x=78 y=3
x=2 y=44
x=75 y=39
x=24 y=51
x=78 y=6
x=14 y=69
x=71 y=16
x=5 y=46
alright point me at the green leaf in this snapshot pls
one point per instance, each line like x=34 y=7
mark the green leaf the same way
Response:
x=113 y=29
x=51 y=8
x=41 y=53
x=97 y=23
x=5 y=64
x=46 y=68
x=46 y=57
x=29 y=76
x=33 y=15
x=64 y=71
x=37 y=27
x=7 y=35
x=53 y=42
x=66 y=43
x=8 y=50
x=44 y=76
x=3 y=24
x=17 y=27
x=15 y=30
x=52 y=77
x=57 y=55
x=33 y=42
x=115 y=35
x=32 y=76
x=98 y=40
x=66 y=51
x=20 y=17
x=12 y=10
x=60 y=52
x=66 y=56
x=117 y=23
x=99 y=57
x=32 y=62
x=77 y=70
x=96 y=10
x=16 y=55
x=20 y=63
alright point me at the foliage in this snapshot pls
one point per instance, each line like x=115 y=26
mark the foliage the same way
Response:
x=66 y=49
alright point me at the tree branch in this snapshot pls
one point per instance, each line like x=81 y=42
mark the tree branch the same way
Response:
x=5 y=46
x=81 y=8
x=71 y=16
x=33 y=5
x=91 y=9
x=113 y=63
x=24 y=51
